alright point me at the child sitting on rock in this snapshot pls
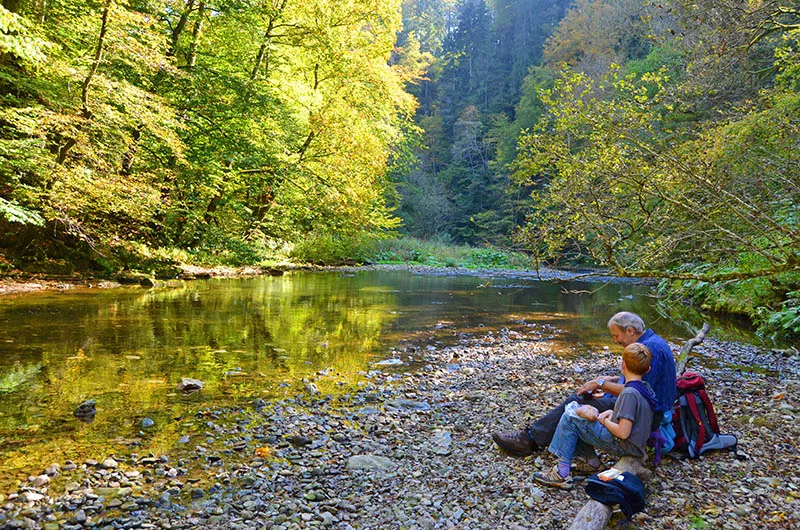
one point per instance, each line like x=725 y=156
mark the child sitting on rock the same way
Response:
x=619 y=432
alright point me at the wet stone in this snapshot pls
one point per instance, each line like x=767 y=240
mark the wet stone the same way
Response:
x=79 y=517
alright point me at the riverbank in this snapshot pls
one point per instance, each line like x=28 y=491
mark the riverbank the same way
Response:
x=20 y=283
x=411 y=448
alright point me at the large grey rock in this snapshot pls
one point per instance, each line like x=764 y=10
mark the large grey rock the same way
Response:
x=442 y=443
x=86 y=411
x=370 y=462
x=407 y=404
x=30 y=496
x=79 y=517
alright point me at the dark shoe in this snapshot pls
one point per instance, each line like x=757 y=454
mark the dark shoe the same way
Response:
x=552 y=478
x=515 y=443
x=582 y=468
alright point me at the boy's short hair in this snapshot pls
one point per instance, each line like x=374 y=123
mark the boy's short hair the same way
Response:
x=637 y=358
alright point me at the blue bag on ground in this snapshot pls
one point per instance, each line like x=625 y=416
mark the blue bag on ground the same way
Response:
x=627 y=490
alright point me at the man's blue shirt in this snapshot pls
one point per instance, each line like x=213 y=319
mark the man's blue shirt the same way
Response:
x=661 y=376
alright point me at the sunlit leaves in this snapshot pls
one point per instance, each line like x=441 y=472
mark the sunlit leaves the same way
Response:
x=19 y=39
x=617 y=185
x=282 y=123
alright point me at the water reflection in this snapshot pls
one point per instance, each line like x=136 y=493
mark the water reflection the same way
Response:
x=127 y=348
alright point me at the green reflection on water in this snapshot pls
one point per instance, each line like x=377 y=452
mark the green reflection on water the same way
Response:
x=127 y=348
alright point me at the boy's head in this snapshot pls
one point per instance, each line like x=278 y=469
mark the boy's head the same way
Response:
x=637 y=357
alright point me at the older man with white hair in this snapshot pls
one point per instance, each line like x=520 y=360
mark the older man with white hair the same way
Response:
x=626 y=328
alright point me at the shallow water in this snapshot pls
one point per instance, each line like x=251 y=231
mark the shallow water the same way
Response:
x=127 y=348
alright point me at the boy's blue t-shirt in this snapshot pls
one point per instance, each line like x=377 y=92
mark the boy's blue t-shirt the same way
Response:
x=661 y=376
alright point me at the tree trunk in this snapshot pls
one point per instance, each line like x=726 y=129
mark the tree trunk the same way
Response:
x=178 y=29
x=263 y=52
x=98 y=56
x=130 y=154
x=262 y=58
x=683 y=357
x=191 y=58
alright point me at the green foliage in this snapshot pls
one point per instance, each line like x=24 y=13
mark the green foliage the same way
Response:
x=230 y=132
x=786 y=60
x=665 y=58
x=487 y=258
x=18 y=38
x=786 y=320
x=15 y=213
x=443 y=253
x=329 y=249
x=471 y=113
x=18 y=377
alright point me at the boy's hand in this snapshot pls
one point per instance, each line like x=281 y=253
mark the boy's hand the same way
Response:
x=606 y=414
x=587 y=412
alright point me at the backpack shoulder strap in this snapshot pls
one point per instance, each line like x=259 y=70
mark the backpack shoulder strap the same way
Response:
x=701 y=427
x=712 y=416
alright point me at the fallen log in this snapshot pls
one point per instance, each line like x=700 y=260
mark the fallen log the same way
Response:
x=595 y=515
x=683 y=357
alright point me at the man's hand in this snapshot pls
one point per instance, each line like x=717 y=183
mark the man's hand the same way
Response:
x=587 y=412
x=605 y=414
x=588 y=387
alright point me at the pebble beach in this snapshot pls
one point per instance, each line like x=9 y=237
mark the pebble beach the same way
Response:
x=410 y=448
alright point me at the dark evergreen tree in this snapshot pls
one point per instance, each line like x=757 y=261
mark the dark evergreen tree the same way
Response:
x=470 y=98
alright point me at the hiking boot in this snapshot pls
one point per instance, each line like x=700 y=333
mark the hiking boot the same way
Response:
x=583 y=468
x=515 y=443
x=552 y=478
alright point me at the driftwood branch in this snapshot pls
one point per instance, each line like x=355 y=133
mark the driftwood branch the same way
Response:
x=683 y=357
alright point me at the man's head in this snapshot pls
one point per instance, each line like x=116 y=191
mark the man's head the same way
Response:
x=636 y=358
x=626 y=327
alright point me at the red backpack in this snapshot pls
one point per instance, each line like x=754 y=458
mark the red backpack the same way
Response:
x=694 y=419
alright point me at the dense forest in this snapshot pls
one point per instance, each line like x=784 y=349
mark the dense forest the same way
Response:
x=657 y=139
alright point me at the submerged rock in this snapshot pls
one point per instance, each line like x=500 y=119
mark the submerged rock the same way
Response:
x=389 y=362
x=86 y=411
x=189 y=385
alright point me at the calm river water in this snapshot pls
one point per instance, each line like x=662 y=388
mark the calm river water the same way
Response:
x=127 y=348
